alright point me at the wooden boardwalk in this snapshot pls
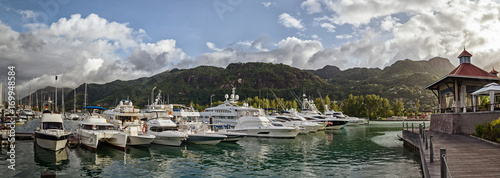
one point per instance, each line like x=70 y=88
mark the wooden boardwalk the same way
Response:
x=466 y=156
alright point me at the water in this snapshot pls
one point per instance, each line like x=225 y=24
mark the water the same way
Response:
x=356 y=151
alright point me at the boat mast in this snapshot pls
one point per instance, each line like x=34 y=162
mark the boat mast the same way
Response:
x=57 y=110
x=85 y=98
x=74 y=101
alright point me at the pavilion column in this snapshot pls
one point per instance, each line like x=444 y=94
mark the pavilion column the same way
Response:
x=456 y=96
x=474 y=102
x=462 y=98
x=492 y=100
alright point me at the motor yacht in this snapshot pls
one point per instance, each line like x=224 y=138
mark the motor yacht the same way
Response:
x=311 y=113
x=51 y=134
x=198 y=132
x=292 y=119
x=126 y=118
x=94 y=129
x=164 y=129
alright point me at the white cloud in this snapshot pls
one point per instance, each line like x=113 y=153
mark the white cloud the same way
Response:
x=311 y=6
x=315 y=37
x=388 y=23
x=211 y=46
x=345 y=36
x=329 y=27
x=290 y=22
x=268 y=4
x=80 y=49
x=360 y=12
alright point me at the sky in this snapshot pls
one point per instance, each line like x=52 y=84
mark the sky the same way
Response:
x=102 y=41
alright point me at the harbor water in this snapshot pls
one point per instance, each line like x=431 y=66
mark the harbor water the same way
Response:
x=356 y=151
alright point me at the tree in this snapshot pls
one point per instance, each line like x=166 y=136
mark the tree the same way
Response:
x=417 y=107
x=294 y=104
x=319 y=105
x=328 y=102
x=385 y=108
x=335 y=107
x=397 y=107
x=372 y=104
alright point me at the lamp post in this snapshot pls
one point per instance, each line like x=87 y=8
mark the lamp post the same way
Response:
x=152 y=94
x=211 y=99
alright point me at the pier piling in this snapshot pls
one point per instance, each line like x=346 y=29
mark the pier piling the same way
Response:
x=432 y=150
x=443 y=163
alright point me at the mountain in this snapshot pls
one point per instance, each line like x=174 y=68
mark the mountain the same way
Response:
x=404 y=79
x=198 y=84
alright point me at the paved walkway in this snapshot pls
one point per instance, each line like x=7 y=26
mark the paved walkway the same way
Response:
x=466 y=156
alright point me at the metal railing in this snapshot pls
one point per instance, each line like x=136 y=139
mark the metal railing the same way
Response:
x=479 y=108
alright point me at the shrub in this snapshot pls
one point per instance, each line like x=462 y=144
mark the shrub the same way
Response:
x=489 y=130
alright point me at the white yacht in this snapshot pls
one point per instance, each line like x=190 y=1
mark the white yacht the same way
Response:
x=246 y=119
x=339 y=115
x=261 y=126
x=198 y=132
x=95 y=129
x=165 y=130
x=311 y=113
x=290 y=118
x=126 y=118
x=51 y=134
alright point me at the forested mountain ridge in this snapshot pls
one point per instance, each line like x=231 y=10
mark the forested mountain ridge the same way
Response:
x=404 y=80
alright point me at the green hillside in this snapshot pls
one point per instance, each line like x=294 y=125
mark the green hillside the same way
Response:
x=404 y=79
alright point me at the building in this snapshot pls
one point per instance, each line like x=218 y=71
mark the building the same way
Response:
x=455 y=103
x=453 y=91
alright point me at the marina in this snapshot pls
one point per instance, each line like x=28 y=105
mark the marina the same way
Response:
x=355 y=151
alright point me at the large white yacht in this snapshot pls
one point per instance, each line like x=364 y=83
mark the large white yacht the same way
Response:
x=246 y=119
x=51 y=134
x=292 y=119
x=126 y=118
x=165 y=130
x=95 y=129
x=198 y=132
x=311 y=113
x=340 y=115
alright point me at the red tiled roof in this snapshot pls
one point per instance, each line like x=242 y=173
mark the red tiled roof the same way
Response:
x=470 y=70
x=465 y=53
x=493 y=71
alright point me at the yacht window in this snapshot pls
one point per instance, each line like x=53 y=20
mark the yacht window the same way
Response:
x=161 y=129
x=52 y=125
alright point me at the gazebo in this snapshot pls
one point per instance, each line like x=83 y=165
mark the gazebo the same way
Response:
x=490 y=89
x=459 y=84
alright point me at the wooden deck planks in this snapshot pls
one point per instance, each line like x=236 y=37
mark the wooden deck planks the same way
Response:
x=466 y=156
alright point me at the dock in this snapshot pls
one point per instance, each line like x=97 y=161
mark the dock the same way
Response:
x=466 y=156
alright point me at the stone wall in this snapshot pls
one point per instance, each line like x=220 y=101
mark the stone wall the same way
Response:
x=460 y=123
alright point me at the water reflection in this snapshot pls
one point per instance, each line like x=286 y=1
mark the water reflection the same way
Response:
x=53 y=160
x=362 y=151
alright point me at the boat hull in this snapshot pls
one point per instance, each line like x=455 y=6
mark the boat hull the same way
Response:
x=205 y=139
x=270 y=133
x=50 y=141
x=92 y=139
x=140 y=140
x=169 y=138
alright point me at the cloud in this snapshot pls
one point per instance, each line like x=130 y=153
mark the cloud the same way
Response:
x=211 y=46
x=290 y=22
x=329 y=27
x=345 y=36
x=311 y=6
x=360 y=12
x=291 y=51
x=268 y=4
x=388 y=23
x=80 y=49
